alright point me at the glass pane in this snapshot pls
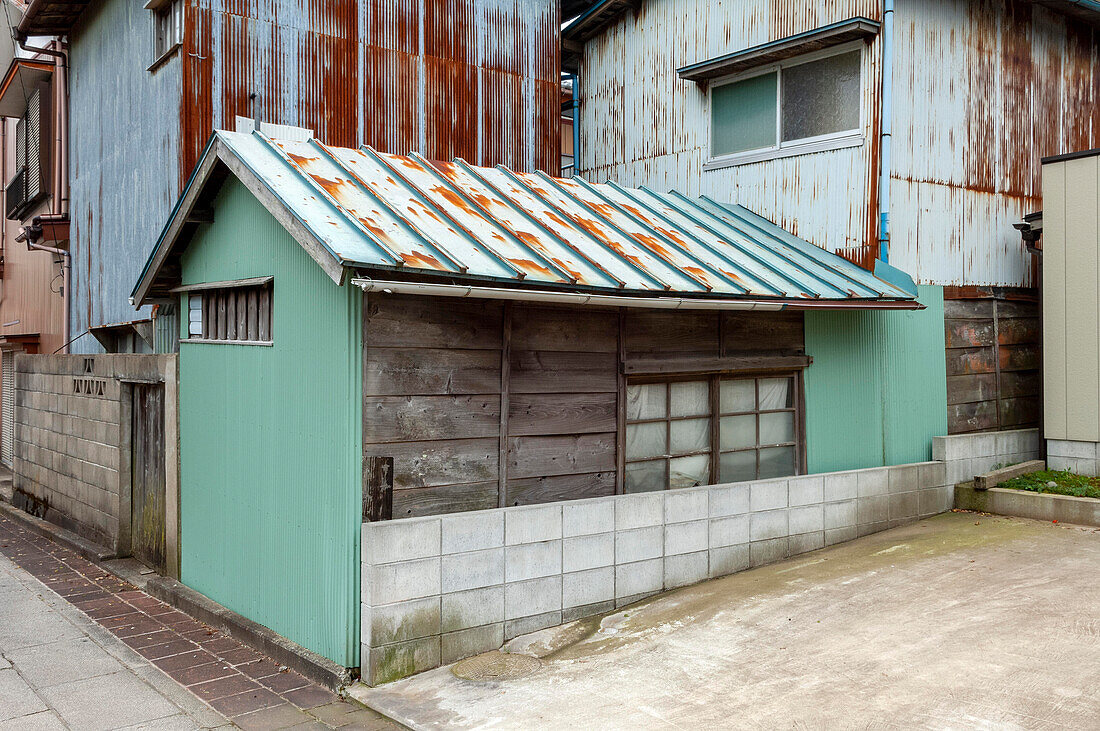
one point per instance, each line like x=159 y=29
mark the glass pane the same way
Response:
x=645 y=440
x=690 y=399
x=737 y=466
x=737 y=432
x=742 y=115
x=777 y=428
x=689 y=471
x=691 y=435
x=737 y=396
x=821 y=97
x=776 y=393
x=645 y=401
x=645 y=476
x=776 y=462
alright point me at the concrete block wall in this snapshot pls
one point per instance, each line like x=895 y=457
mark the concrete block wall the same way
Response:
x=1080 y=457
x=967 y=455
x=72 y=439
x=441 y=588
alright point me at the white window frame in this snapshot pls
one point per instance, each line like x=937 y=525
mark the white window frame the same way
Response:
x=820 y=143
x=175 y=11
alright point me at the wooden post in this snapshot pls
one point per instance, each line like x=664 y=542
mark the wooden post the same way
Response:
x=505 y=386
x=378 y=495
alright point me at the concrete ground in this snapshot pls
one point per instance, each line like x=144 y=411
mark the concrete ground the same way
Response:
x=58 y=670
x=958 y=621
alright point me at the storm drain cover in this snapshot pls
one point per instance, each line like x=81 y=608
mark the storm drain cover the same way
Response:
x=496 y=665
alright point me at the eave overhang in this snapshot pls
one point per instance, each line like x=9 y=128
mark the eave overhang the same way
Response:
x=22 y=77
x=50 y=17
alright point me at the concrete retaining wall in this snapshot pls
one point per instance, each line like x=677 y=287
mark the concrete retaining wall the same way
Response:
x=438 y=589
x=1024 y=504
x=72 y=441
x=1080 y=457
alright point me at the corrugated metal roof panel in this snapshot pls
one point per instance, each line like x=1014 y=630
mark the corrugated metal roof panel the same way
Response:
x=373 y=210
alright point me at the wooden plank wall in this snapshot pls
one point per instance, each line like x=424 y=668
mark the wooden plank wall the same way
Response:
x=993 y=364
x=433 y=396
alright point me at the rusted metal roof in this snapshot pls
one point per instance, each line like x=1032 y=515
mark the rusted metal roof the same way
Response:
x=407 y=216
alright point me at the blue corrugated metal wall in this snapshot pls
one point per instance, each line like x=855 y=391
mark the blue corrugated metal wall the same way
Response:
x=876 y=393
x=271 y=441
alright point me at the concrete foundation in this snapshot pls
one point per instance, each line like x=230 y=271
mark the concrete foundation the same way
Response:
x=1080 y=457
x=72 y=443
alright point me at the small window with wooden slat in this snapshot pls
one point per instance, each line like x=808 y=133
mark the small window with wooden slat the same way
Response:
x=235 y=315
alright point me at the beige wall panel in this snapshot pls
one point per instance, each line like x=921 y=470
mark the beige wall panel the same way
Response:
x=1054 y=301
x=1082 y=314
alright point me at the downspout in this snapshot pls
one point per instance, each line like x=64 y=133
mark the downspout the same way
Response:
x=885 y=129
x=576 y=125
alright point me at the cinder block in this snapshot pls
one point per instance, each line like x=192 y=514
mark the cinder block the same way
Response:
x=525 y=625
x=982 y=445
x=398 y=582
x=465 y=609
x=1008 y=442
x=931 y=501
x=959 y=471
x=840 y=535
x=1078 y=450
x=941 y=451
x=767 y=525
x=806 y=490
x=932 y=474
x=729 y=531
x=1030 y=443
x=400 y=540
x=726 y=500
x=904 y=478
x=585 y=517
x=866 y=529
x=532 y=560
x=840 y=515
x=571 y=614
x=903 y=506
x=728 y=560
x=472 y=531
x=643 y=577
x=639 y=511
x=392 y=662
x=806 y=519
x=873 y=482
x=981 y=465
x=390 y=623
x=588 y=552
x=469 y=642
x=685 y=569
x=588 y=587
x=806 y=542
x=639 y=544
x=532 y=524
x=686 y=537
x=874 y=509
x=528 y=598
x=473 y=570
x=770 y=495
x=1060 y=463
x=686 y=505
x=770 y=551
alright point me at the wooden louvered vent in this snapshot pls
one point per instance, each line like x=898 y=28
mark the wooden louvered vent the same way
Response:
x=29 y=184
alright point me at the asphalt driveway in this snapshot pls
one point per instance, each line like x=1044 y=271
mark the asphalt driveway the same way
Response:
x=959 y=621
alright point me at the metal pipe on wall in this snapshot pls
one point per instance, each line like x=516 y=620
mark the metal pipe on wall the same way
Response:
x=576 y=125
x=885 y=129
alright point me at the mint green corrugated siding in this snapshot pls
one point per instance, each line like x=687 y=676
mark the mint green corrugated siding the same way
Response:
x=876 y=393
x=270 y=441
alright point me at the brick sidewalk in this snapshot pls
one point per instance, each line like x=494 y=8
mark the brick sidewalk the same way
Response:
x=235 y=680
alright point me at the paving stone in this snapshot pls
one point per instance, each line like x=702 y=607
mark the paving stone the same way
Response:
x=62 y=662
x=107 y=701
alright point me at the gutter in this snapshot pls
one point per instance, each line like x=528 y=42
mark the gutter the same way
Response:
x=607 y=300
x=886 y=129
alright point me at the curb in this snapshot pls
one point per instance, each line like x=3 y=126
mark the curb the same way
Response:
x=319 y=669
x=1023 y=504
x=82 y=546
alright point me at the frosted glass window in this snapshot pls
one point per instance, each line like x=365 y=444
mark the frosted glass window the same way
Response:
x=645 y=476
x=777 y=428
x=738 y=396
x=689 y=471
x=775 y=393
x=646 y=401
x=738 y=432
x=646 y=440
x=690 y=399
x=743 y=114
x=691 y=435
x=821 y=97
x=738 y=466
x=776 y=462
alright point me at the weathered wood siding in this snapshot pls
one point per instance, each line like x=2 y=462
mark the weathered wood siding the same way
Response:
x=993 y=359
x=484 y=404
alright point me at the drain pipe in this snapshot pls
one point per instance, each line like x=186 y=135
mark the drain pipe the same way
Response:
x=885 y=129
x=576 y=125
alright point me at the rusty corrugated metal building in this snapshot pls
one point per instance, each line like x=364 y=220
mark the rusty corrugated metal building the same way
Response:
x=468 y=78
x=943 y=160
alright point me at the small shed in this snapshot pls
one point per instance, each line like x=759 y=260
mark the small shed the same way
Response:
x=366 y=336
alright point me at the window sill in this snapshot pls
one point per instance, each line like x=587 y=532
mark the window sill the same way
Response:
x=164 y=57
x=806 y=148
x=201 y=341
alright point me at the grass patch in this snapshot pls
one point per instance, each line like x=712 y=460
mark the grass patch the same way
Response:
x=1065 y=483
